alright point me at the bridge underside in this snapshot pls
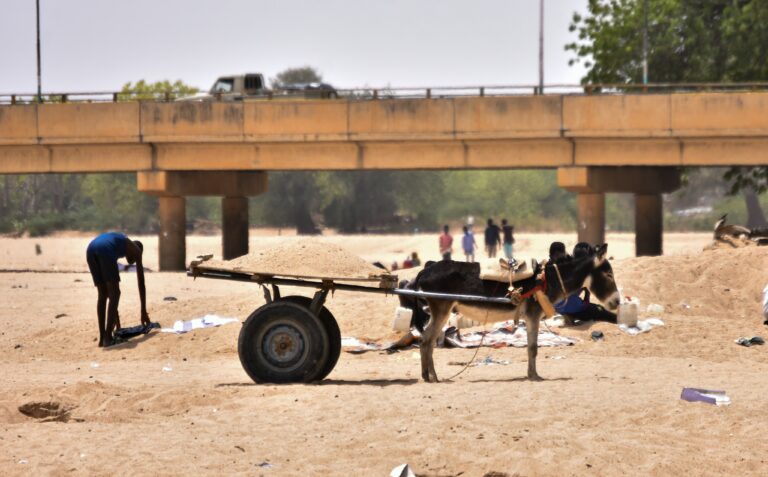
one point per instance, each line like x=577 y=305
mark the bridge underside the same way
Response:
x=599 y=144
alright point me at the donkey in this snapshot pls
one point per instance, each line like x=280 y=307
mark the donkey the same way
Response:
x=556 y=282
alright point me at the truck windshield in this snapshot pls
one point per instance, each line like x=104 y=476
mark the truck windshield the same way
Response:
x=223 y=85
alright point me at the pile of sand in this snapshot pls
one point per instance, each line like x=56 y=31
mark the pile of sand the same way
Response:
x=302 y=259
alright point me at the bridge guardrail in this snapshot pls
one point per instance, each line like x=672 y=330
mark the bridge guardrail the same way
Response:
x=436 y=92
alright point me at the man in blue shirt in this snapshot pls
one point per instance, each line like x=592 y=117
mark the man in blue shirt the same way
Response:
x=102 y=255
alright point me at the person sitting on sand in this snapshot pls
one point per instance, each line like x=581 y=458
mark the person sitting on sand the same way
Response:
x=102 y=255
x=415 y=260
x=574 y=307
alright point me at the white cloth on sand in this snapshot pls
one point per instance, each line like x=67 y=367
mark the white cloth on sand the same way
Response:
x=642 y=326
x=208 y=321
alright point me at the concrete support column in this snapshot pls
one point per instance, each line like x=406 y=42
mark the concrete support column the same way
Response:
x=591 y=217
x=173 y=233
x=649 y=224
x=234 y=214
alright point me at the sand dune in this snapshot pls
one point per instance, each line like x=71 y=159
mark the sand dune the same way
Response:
x=605 y=408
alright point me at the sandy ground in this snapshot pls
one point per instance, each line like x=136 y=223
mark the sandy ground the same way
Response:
x=604 y=408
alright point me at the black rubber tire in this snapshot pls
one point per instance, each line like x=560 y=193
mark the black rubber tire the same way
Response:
x=283 y=342
x=331 y=328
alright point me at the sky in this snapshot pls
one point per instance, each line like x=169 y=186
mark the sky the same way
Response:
x=98 y=45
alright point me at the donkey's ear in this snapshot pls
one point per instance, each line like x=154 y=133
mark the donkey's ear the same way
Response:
x=601 y=250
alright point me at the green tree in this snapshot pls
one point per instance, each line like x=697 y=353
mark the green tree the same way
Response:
x=302 y=74
x=159 y=90
x=689 y=41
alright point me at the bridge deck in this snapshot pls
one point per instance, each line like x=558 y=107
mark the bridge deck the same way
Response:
x=672 y=129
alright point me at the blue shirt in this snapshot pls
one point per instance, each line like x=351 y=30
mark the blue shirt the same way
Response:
x=572 y=304
x=110 y=244
x=468 y=242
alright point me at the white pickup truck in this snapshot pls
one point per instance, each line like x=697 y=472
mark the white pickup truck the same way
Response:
x=252 y=85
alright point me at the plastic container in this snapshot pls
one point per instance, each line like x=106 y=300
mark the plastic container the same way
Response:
x=627 y=314
x=402 y=319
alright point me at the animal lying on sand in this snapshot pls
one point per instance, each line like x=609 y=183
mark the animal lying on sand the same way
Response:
x=553 y=282
x=736 y=235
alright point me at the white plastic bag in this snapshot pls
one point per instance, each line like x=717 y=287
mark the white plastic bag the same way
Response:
x=765 y=302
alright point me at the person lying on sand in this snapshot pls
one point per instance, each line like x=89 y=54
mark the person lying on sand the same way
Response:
x=102 y=255
x=575 y=307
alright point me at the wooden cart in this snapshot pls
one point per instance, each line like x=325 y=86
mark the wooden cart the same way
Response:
x=296 y=338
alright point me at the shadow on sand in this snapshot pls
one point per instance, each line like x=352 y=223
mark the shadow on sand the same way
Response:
x=333 y=382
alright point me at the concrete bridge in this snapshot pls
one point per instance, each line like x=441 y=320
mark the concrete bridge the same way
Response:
x=598 y=143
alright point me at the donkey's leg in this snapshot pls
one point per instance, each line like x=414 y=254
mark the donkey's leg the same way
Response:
x=532 y=315
x=440 y=311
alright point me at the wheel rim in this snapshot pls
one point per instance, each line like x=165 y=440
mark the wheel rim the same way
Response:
x=283 y=346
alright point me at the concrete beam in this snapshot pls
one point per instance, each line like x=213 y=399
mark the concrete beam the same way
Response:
x=202 y=183
x=630 y=179
x=173 y=234
x=649 y=224
x=234 y=214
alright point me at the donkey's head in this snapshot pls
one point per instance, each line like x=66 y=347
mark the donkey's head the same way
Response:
x=601 y=281
x=585 y=270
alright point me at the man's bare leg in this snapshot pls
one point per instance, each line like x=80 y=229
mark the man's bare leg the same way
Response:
x=101 y=312
x=113 y=294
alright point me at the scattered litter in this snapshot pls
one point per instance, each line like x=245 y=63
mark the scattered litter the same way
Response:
x=130 y=267
x=38 y=249
x=655 y=309
x=77 y=280
x=265 y=465
x=703 y=395
x=643 y=326
x=60 y=315
x=402 y=321
x=126 y=333
x=402 y=470
x=355 y=346
x=169 y=298
x=167 y=368
x=597 y=336
x=488 y=361
x=208 y=321
x=23 y=461
x=18 y=346
x=504 y=334
x=94 y=365
x=686 y=306
x=556 y=357
x=746 y=341
x=627 y=314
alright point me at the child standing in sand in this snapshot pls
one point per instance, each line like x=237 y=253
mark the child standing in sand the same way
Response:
x=469 y=244
x=446 y=244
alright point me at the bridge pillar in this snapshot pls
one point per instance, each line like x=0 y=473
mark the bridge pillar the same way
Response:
x=173 y=233
x=648 y=224
x=234 y=214
x=647 y=183
x=591 y=217
x=172 y=186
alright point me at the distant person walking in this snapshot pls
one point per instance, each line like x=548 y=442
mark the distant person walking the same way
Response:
x=446 y=244
x=102 y=255
x=509 y=238
x=468 y=244
x=492 y=239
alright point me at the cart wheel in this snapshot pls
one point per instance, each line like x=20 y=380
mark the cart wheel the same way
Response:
x=331 y=328
x=283 y=342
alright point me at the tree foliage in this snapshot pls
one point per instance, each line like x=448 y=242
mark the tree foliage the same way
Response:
x=689 y=41
x=301 y=74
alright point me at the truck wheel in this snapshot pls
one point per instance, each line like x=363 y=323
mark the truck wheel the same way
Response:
x=283 y=342
x=331 y=328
